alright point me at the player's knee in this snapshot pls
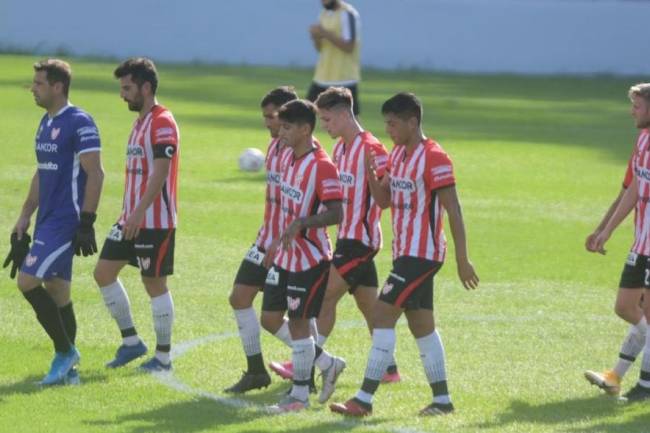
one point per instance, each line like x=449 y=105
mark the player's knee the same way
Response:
x=625 y=311
x=25 y=282
x=102 y=277
x=270 y=322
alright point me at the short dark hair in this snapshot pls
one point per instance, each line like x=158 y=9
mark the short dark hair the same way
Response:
x=56 y=71
x=141 y=69
x=279 y=96
x=404 y=105
x=333 y=97
x=298 y=111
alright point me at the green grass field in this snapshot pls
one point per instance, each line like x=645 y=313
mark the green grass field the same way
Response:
x=537 y=160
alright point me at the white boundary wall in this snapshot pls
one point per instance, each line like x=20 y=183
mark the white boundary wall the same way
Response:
x=517 y=36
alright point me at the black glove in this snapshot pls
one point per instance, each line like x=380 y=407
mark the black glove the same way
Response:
x=84 y=240
x=18 y=252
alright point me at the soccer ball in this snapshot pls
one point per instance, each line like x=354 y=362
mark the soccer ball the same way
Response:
x=251 y=159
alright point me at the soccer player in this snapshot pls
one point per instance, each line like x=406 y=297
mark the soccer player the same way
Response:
x=144 y=233
x=419 y=185
x=310 y=201
x=65 y=189
x=252 y=273
x=627 y=307
x=337 y=38
x=637 y=269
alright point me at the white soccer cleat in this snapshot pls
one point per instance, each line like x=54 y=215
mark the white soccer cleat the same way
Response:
x=330 y=376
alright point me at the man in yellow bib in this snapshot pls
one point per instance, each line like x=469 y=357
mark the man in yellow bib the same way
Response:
x=336 y=36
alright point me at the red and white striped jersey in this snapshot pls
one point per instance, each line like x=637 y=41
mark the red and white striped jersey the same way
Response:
x=276 y=158
x=627 y=180
x=416 y=210
x=641 y=165
x=158 y=127
x=361 y=215
x=307 y=183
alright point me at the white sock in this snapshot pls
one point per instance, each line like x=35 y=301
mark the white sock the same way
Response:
x=432 y=354
x=632 y=346
x=162 y=309
x=283 y=333
x=383 y=345
x=117 y=302
x=303 y=361
x=644 y=379
x=322 y=339
x=313 y=328
x=249 y=331
x=324 y=361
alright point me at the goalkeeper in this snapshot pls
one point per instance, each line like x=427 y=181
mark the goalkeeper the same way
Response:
x=65 y=189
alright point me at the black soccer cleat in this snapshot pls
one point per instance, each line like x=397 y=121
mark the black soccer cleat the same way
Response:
x=637 y=393
x=436 y=409
x=250 y=381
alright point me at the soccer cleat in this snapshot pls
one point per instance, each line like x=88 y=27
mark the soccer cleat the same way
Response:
x=154 y=366
x=352 y=407
x=250 y=381
x=61 y=365
x=330 y=375
x=636 y=394
x=72 y=378
x=282 y=369
x=436 y=409
x=608 y=381
x=391 y=377
x=126 y=354
x=289 y=404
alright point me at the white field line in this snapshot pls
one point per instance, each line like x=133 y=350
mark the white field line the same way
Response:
x=180 y=349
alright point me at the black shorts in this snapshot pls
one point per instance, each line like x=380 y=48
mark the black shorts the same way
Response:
x=410 y=283
x=355 y=262
x=636 y=272
x=152 y=250
x=316 y=89
x=251 y=271
x=299 y=293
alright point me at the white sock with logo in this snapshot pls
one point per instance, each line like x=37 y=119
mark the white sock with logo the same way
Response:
x=117 y=302
x=632 y=346
x=303 y=361
x=249 y=330
x=162 y=308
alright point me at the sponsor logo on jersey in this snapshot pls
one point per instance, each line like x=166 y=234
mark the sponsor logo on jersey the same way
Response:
x=290 y=192
x=441 y=169
x=643 y=173
x=48 y=166
x=347 y=179
x=133 y=150
x=55 y=133
x=47 y=147
x=273 y=178
x=30 y=260
x=165 y=133
x=631 y=258
x=293 y=303
x=402 y=185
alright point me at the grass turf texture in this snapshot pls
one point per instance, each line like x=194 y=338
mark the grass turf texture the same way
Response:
x=537 y=161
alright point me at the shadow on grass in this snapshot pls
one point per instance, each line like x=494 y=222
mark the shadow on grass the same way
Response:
x=195 y=415
x=559 y=412
x=638 y=424
x=31 y=385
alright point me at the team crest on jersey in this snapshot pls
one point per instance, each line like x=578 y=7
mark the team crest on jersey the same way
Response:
x=387 y=288
x=293 y=303
x=55 y=133
x=30 y=260
x=144 y=263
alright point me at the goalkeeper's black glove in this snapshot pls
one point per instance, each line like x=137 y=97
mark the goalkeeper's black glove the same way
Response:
x=84 y=239
x=18 y=252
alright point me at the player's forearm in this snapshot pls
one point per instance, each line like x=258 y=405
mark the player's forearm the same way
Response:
x=457 y=226
x=94 y=184
x=610 y=211
x=333 y=215
x=31 y=202
x=625 y=206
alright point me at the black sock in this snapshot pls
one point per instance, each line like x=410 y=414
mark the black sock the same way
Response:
x=370 y=386
x=69 y=321
x=392 y=369
x=255 y=364
x=48 y=315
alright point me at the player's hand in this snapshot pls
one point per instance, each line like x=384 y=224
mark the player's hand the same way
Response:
x=131 y=227
x=467 y=274
x=599 y=242
x=269 y=256
x=84 y=239
x=17 y=253
x=589 y=242
x=290 y=233
x=316 y=31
